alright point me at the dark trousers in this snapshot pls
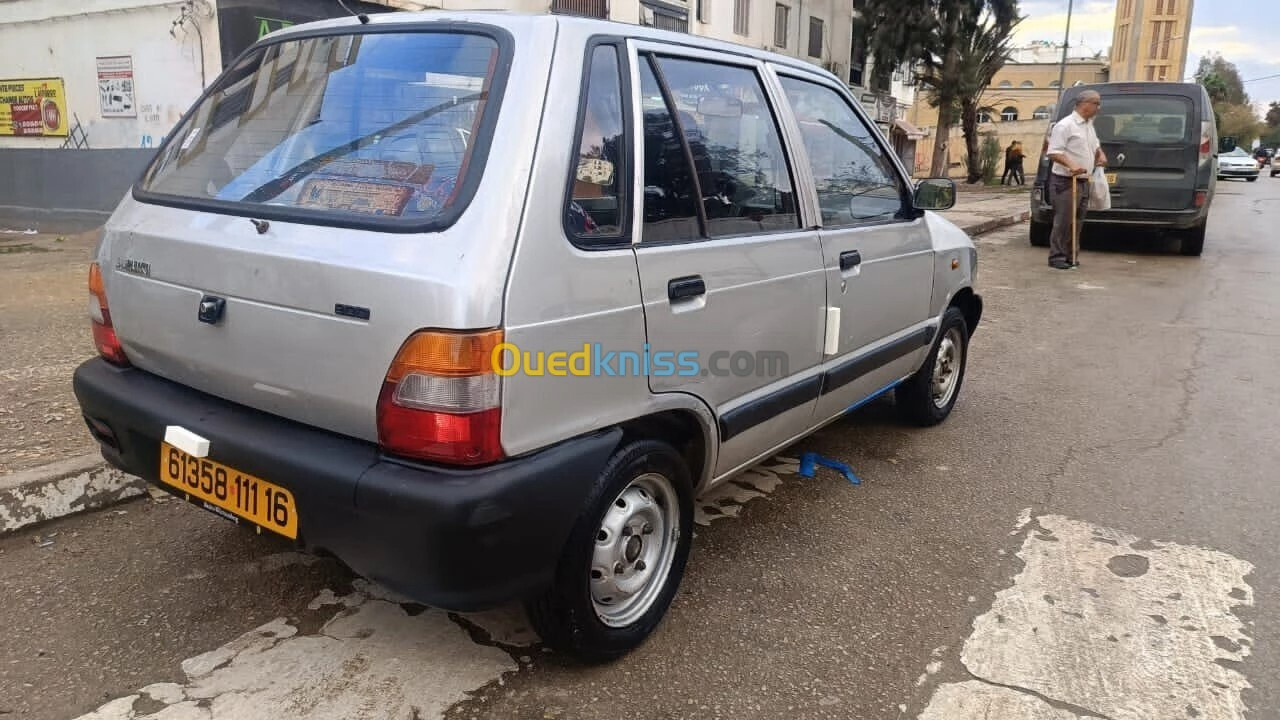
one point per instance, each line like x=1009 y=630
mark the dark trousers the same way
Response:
x=1060 y=240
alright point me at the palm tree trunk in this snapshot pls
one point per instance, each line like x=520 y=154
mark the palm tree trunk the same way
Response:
x=969 y=121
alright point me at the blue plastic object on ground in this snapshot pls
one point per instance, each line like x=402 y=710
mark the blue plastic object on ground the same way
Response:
x=811 y=459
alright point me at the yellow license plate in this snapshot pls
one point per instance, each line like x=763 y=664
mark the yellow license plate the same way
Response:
x=229 y=492
x=1111 y=178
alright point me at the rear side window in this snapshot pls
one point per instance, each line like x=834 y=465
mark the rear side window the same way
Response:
x=365 y=128
x=855 y=179
x=740 y=172
x=597 y=200
x=1147 y=120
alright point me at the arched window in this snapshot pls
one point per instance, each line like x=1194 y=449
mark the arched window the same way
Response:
x=1055 y=84
x=1041 y=113
x=986 y=115
x=1009 y=114
x=1028 y=84
x=1006 y=84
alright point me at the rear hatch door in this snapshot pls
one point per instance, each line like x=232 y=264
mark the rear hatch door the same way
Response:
x=1152 y=144
x=305 y=218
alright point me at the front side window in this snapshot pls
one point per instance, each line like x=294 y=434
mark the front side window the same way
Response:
x=596 y=204
x=741 y=173
x=369 y=126
x=855 y=179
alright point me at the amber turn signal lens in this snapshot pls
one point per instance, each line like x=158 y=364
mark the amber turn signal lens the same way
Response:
x=444 y=353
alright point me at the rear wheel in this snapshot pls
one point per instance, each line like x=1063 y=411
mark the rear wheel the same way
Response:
x=624 y=559
x=1193 y=240
x=1040 y=233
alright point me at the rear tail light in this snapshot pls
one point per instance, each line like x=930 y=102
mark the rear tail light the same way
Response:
x=1206 y=141
x=104 y=334
x=1202 y=196
x=441 y=399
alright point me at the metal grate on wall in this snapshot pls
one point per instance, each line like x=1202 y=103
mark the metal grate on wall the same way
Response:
x=585 y=8
x=665 y=16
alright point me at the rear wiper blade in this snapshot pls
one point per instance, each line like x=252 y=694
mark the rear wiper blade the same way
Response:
x=290 y=177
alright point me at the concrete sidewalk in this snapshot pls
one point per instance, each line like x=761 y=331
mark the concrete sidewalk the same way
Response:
x=982 y=209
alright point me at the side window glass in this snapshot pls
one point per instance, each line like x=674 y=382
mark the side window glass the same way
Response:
x=856 y=182
x=597 y=206
x=670 y=198
x=742 y=172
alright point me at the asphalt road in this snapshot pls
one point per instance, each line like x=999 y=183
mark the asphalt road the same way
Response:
x=1090 y=534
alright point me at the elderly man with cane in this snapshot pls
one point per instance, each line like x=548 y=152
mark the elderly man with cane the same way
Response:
x=1075 y=152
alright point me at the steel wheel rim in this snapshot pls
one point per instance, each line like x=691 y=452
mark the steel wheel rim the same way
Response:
x=634 y=549
x=946 y=369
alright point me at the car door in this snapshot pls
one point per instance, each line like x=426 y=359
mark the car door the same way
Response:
x=727 y=270
x=876 y=247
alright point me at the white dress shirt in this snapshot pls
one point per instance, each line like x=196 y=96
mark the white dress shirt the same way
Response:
x=1074 y=137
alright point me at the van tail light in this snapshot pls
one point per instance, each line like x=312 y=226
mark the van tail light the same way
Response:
x=104 y=334
x=441 y=401
x=1206 y=141
x=1202 y=197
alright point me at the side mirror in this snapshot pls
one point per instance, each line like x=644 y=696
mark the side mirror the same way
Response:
x=935 y=194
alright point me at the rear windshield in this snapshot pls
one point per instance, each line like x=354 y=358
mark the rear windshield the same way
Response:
x=1147 y=120
x=371 y=127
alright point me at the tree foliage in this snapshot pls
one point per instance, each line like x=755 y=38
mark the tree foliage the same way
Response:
x=1232 y=108
x=1273 y=115
x=933 y=35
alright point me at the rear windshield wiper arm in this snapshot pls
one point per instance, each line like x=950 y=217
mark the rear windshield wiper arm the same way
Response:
x=286 y=180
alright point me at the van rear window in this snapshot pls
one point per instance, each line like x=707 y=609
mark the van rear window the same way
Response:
x=367 y=127
x=1147 y=120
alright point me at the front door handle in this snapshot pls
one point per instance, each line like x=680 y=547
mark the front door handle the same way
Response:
x=682 y=288
x=850 y=259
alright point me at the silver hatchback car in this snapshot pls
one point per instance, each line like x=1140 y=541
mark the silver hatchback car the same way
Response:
x=479 y=303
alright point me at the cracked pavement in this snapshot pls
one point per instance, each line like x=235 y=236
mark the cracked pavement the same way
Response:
x=1114 y=447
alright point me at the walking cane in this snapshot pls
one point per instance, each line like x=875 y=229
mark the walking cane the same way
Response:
x=1075 y=214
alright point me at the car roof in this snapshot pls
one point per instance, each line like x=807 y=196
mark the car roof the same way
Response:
x=522 y=23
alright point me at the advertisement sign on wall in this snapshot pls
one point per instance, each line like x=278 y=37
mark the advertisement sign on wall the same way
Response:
x=115 y=87
x=33 y=108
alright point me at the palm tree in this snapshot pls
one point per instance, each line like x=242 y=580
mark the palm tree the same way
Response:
x=935 y=34
x=981 y=55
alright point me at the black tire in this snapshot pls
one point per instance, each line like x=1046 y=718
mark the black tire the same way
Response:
x=1192 y=243
x=1040 y=234
x=914 y=397
x=1252 y=179
x=565 y=614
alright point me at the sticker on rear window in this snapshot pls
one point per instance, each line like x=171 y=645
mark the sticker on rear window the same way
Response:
x=356 y=197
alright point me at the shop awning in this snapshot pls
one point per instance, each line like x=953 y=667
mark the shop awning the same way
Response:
x=911 y=131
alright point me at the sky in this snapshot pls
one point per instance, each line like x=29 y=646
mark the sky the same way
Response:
x=1230 y=27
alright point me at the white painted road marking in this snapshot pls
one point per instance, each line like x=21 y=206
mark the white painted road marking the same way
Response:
x=1105 y=624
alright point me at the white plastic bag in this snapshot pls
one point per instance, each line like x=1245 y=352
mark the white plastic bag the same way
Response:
x=1099 y=190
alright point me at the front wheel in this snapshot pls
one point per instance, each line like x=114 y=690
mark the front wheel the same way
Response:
x=624 y=558
x=1253 y=179
x=927 y=397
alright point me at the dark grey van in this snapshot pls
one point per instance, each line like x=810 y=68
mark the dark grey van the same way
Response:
x=1161 y=141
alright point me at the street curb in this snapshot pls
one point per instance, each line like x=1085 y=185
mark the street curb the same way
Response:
x=1003 y=221
x=62 y=488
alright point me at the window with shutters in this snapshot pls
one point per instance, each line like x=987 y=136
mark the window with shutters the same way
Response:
x=815 y=37
x=742 y=17
x=781 y=29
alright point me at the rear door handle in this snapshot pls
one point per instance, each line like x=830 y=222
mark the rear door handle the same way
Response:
x=682 y=288
x=850 y=259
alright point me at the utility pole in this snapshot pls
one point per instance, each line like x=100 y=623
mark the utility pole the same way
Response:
x=1066 y=43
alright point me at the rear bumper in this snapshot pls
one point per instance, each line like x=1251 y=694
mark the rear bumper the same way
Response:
x=459 y=539
x=1156 y=219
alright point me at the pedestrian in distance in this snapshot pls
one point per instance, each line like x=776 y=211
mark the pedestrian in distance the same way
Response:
x=1018 y=156
x=1012 y=155
x=1074 y=151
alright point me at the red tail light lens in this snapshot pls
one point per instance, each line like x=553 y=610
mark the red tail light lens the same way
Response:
x=440 y=400
x=104 y=334
x=1202 y=196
